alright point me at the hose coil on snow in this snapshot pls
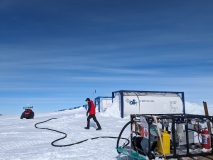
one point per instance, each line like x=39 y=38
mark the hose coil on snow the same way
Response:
x=65 y=135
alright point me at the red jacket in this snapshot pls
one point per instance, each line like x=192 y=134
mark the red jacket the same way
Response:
x=91 y=107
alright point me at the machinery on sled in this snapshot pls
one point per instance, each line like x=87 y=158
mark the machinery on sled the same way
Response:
x=168 y=136
x=28 y=113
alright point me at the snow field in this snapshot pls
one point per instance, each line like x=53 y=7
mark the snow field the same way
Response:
x=20 y=140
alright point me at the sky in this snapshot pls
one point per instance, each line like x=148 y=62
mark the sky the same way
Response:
x=54 y=54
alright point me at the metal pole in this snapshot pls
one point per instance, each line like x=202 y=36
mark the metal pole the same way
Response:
x=122 y=104
x=207 y=114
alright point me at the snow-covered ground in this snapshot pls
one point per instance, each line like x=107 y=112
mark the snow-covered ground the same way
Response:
x=20 y=140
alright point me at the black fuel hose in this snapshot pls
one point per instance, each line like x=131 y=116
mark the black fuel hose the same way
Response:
x=65 y=135
x=119 y=137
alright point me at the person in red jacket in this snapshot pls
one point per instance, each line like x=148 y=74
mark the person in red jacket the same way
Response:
x=91 y=113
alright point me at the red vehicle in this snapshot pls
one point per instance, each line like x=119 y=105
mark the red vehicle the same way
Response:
x=28 y=113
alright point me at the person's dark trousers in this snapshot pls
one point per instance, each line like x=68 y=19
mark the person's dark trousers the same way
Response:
x=94 y=118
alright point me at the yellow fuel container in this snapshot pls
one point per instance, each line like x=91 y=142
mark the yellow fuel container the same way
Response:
x=165 y=136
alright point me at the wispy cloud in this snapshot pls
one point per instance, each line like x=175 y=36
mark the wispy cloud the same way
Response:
x=61 y=48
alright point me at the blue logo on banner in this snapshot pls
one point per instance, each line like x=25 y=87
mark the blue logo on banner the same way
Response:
x=133 y=102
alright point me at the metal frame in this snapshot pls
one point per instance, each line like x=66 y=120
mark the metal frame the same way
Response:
x=185 y=119
x=98 y=100
x=181 y=94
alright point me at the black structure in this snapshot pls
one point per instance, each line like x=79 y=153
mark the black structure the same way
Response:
x=148 y=146
x=28 y=113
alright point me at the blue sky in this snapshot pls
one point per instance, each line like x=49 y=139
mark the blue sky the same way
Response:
x=54 y=54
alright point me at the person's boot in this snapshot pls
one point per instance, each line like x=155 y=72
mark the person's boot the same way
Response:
x=87 y=127
x=98 y=125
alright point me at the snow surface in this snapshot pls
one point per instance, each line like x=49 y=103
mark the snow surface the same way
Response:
x=20 y=140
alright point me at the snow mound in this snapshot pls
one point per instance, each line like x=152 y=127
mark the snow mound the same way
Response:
x=194 y=108
x=113 y=110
